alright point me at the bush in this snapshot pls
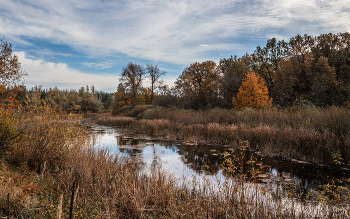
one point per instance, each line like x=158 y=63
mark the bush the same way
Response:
x=138 y=110
x=122 y=111
x=153 y=113
x=9 y=131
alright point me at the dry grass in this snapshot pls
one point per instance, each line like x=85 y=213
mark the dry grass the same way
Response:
x=312 y=134
x=120 y=121
x=112 y=187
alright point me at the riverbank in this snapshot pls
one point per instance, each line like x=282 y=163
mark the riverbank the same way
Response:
x=315 y=135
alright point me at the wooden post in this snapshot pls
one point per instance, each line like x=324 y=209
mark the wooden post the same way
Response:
x=59 y=207
x=72 y=202
x=8 y=204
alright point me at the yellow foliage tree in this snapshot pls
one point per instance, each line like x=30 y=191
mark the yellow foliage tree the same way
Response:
x=252 y=93
x=122 y=97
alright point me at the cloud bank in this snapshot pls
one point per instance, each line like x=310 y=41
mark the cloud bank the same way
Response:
x=49 y=74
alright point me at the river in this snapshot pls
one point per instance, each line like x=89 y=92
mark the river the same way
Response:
x=192 y=164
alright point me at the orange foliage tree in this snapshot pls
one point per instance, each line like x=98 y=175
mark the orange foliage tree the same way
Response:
x=252 y=93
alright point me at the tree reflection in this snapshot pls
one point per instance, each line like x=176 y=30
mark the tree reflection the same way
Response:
x=201 y=158
x=208 y=160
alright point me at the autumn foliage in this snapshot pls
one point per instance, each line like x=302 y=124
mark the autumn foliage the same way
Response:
x=252 y=93
x=197 y=85
x=11 y=74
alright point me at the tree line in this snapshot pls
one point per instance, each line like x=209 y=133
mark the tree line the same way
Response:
x=82 y=101
x=305 y=68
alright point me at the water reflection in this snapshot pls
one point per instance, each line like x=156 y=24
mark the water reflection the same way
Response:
x=186 y=162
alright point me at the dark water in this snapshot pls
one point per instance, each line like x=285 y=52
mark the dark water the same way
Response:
x=189 y=162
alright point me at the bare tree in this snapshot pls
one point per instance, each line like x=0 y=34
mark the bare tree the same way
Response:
x=154 y=75
x=93 y=89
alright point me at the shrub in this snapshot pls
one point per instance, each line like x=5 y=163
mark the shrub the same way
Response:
x=9 y=131
x=138 y=110
x=122 y=111
x=153 y=113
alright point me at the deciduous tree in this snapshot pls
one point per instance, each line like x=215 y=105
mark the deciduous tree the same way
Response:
x=154 y=75
x=233 y=71
x=265 y=60
x=122 y=98
x=252 y=93
x=11 y=74
x=198 y=85
x=294 y=77
x=324 y=88
x=132 y=77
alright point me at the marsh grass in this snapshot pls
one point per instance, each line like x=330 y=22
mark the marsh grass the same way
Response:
x=310 y=134
x=120 y=121
x=52 y=154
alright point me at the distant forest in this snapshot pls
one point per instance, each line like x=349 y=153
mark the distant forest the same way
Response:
x=305 y=69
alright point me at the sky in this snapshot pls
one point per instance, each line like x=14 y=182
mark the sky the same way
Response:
x=71 y=44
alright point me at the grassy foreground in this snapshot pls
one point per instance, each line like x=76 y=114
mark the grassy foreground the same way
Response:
x=50 y=171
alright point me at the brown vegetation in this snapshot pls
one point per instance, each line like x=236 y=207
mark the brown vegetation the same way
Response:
x=304 y=132
x=107 y=186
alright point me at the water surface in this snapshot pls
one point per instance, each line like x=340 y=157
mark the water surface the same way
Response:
x=191 y=163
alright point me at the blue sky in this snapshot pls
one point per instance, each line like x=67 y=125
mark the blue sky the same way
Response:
x=71 y=44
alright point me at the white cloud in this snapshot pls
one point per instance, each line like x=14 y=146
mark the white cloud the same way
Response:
x=48 y=52
x=98 y=65
x=168 y=30
x=49 y=74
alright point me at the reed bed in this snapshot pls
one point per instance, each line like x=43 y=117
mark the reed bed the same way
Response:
x=313 y=134
x=52 y=166
x=120 y=121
